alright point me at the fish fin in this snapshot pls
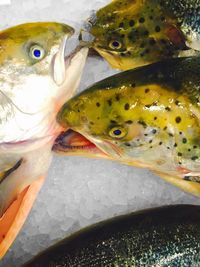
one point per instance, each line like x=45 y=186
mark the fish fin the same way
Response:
x=14 y=217
x=4 y=174
x=190 y=186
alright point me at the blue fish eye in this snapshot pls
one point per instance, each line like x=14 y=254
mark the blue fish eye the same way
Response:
x=37 y=53
x=117 y=132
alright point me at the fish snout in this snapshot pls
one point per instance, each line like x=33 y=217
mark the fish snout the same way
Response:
x=68 y=30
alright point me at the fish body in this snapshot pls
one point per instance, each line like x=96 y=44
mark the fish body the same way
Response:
x=147 y=117
x=130 y=34
x=164 y=237
x=35 y=80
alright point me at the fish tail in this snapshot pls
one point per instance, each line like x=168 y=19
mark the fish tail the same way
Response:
x=13 y=219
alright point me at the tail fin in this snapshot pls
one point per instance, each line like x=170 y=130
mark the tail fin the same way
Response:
x=13 y=219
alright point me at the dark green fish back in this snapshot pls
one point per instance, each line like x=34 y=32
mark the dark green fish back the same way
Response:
x=180 y=74
x=164 y=237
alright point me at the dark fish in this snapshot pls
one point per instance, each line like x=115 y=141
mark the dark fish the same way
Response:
x=132 y=33
x=162 y=237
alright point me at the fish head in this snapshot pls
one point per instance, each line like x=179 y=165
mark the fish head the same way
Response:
x=103 y=118
x=129 y=34
x=36 y=78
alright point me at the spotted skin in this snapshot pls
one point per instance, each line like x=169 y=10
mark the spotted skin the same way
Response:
x=164 y=237
x=132 y=33
x=148 y=117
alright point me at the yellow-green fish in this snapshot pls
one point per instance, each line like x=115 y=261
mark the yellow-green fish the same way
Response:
x=35 y=80
x=132 y=33
x=148 y=117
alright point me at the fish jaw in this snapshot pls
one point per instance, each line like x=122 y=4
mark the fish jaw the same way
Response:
x=117 y=62
x=71 y=143
x=74 y=66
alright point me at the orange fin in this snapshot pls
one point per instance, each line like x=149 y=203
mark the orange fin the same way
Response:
x=15 y=216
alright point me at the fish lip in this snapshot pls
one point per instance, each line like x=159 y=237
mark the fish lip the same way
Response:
x=61 y=62
x=74 y=143
x=58 y=62
x=60 y=142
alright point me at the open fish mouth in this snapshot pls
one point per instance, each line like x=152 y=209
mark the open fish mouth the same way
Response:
x=61 y=63
x=73 y=143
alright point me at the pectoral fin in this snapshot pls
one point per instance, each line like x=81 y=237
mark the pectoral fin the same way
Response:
x=187 y=185
x=14 y=217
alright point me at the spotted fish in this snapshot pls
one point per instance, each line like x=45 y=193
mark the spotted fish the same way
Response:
x=132 y=33
x=36 y=79
x=147 y=117
x=164 y=237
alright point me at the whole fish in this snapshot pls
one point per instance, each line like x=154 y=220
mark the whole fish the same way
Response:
x=164 y=237
x=35 y=80
x=133 y=33
x=147 y=117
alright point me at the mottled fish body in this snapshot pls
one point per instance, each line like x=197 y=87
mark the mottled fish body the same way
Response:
x=147 y=117
x=132 y=33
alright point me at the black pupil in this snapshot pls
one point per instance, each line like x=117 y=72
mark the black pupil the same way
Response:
x=115 y=44
x=117 y=132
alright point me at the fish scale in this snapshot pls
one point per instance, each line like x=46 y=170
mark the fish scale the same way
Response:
x=163 y=237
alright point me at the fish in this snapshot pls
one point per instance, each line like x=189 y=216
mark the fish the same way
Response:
x=36 y=79
x=133 y=33
x=148 y=117
x=167 y=236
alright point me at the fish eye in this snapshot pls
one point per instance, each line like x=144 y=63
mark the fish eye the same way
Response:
x=118 y=132
x=37 y=52
x=115 y=44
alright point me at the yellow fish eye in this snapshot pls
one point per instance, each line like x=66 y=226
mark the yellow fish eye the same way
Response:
x=37 y=52
x=118 y=132
x=115 y=44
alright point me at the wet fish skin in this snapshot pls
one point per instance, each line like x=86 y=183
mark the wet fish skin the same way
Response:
x=164 y=237
x=135 y=33
x=36 y=79
x=147 y=117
